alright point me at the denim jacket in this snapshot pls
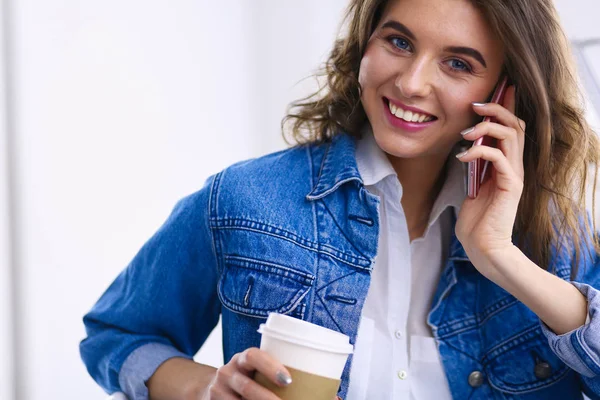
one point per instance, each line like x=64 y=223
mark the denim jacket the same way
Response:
x=296 y=232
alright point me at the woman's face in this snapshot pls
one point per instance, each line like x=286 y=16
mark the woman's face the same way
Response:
x=435 y=57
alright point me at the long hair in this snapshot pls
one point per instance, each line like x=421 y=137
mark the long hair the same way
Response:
x=560 y=148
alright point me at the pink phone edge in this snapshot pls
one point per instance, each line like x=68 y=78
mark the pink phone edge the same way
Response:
x=474 y=166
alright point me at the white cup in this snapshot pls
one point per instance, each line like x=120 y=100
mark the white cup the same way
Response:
x=305 y=346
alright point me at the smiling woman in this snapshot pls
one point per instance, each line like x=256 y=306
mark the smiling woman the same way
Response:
x=441 y=57
x=363 y=227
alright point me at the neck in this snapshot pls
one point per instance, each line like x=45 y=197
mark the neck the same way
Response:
x=421 y=179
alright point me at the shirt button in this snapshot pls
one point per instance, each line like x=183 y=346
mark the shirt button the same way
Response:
x=476 y=379
x=398 y=334
x=402 y=375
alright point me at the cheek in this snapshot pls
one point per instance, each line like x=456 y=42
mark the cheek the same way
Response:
x=375 y=69
x=458 y=107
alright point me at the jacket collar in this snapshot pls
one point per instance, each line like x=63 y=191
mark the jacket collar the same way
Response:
x=337 y=168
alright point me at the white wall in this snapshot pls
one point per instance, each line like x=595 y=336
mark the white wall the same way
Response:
x=121 y=108
x=6 y=274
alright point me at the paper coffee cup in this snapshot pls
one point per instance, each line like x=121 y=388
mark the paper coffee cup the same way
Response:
x=314 y=355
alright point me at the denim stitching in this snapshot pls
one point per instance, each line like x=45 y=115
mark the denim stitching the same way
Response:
x=529 y=387
x=329 y=313
x=315 y=222
x=512 y=342
x=242 y=224
x=342 y=231
x=263 y=312
x=213 y=210
x=265 y=266
x=578 y=344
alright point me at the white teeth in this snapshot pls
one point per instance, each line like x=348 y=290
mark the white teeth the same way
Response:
x=399 y=113
x=408 y=116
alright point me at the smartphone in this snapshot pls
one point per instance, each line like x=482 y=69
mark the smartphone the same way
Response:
x=480 y=170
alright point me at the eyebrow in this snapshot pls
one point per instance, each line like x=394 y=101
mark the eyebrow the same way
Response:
x=468 y=51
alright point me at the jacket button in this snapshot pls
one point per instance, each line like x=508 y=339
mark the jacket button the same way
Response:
x=542 y=370
x=476 y=379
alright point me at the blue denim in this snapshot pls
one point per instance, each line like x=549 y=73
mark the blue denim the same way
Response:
x=296 y=232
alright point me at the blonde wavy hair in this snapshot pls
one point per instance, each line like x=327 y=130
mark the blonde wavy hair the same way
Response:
x=560 y=148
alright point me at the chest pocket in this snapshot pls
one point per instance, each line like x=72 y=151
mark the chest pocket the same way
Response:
x=256 y=288
x=527 y=364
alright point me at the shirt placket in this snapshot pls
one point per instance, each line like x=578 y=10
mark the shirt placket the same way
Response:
x=399 y=293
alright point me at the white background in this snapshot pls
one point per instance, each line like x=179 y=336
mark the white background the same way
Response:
x=112 y=111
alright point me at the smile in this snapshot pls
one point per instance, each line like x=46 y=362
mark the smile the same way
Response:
x=408 y=115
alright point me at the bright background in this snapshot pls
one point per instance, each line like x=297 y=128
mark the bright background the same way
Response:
x=110 y=112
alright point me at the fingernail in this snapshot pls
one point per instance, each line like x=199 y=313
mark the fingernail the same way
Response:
x=466 y=131
x=283 y=378
x=461 y=155
x=479 y=104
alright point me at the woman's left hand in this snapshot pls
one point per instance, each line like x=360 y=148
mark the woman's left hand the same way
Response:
x=485 y=224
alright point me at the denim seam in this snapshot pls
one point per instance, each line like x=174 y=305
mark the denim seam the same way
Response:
x=321 y=170
x=578 y=345
x=127 y=351
x=461 y=351
x=213 y=210
x=457 y=332
x=315 y=221
x=277 y=269
x=513 y=341
x=324 y=303
x=353 y=260
x=477 y=314
x=260 y=313
x=498 y=308
x=329 y=313
x=529 y=387
x=344 y=233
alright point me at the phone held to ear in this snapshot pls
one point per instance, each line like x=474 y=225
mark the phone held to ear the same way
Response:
x=480 y=170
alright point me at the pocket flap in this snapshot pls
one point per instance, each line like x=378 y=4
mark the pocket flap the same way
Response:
x=256 y=287
x=513 y=370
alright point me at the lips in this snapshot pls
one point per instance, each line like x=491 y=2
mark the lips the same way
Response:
x=401 y=124
x=408 y=113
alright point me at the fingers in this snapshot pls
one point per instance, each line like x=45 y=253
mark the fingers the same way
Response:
x=503 y=113
x=222 y=392
x=507 y=128
x=234 y=380
x=506 y=177
x=249 y=389
x=508 y=141
x=254 y=359
x=232 y=383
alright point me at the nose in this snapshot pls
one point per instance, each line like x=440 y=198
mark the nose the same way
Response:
x=415 y=79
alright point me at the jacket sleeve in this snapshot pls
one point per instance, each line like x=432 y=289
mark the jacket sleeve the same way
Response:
x=163 y=305
x=580 y=348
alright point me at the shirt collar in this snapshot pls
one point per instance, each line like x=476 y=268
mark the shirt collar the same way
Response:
x=346 y=160
x=453 y=190
x=374 y=166
x=372 y=162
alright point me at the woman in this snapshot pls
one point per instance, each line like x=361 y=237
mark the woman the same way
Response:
x=354 y=228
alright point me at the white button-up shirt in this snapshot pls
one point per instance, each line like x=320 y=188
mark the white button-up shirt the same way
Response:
x=396 y=356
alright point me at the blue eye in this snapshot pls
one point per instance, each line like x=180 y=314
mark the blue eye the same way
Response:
x=459 y=65
x=400 y=43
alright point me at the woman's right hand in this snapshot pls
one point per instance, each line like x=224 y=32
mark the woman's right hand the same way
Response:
x=235 y=379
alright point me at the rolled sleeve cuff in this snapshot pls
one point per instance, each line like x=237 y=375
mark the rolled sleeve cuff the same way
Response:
x=141 y=364
x=579 y=348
